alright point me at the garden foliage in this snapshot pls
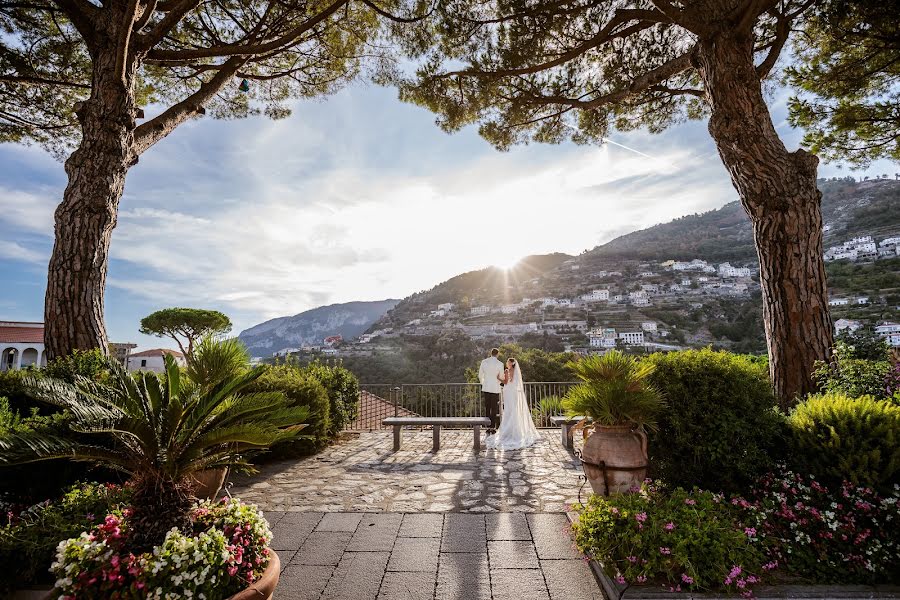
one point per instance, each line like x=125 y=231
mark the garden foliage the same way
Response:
x=342 y=387
x=28 y=538
x=837 y=438
x=842 y=534
x=225 y=551
x=855 y=372
x=683 y=540
x=720 y=429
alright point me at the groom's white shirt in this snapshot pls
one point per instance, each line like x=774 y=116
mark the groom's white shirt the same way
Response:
x=488 y=372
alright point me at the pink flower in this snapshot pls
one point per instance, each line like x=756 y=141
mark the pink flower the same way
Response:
x=690 y=501
x=641 y=578
x=735 y=571
x=669 y=526
x=620 y=580
x=664 y=550
x=632 y=559
x=750 y=531
x=232 y=571
x=687 y=579
x=641 y=517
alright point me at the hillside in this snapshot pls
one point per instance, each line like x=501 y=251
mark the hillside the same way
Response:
x=310 y=327
x=849 y=209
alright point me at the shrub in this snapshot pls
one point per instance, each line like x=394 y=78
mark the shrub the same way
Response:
x=688 y=540
x=852 y=376
x=29 y=538
x=721 y=429
x=299 y=389
x=846 y=534
x=342 y=387
x=226 y=550
x=80 y=363
x=837 y=438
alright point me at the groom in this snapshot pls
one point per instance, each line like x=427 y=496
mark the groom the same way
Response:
x=488 y=372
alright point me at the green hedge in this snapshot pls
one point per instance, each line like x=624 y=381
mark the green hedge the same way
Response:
x=299 y=389
x=836 y=438
x=721 y=429
x=343 y=392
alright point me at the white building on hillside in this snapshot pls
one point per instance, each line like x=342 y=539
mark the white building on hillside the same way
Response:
x=632 y=338
x=480 y=310
x=848 y=324
x=648 y=326
x=596 y=296
x=838 y=302
x=154 y=360
x=447 y=306
x=21 y=345
x=890 y=332
x=726 y=270
x=603 y=338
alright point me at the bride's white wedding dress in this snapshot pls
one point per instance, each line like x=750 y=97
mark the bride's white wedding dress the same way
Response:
x=517 y=428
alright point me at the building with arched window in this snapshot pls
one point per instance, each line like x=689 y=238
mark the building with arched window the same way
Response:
x=21 y=345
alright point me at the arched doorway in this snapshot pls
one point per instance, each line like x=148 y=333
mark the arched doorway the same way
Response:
x=8 y=359
x=30 y=357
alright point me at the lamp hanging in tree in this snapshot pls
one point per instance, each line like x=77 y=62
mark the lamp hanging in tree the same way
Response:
x=245 y=85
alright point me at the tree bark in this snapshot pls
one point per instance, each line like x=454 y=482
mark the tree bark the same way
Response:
x=73 y=307
x=778 y=190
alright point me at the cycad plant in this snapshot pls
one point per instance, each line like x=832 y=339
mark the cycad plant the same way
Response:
x=614 y=391
x=159 y=430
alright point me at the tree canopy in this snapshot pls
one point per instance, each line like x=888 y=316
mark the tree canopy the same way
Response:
x=191 y=324
x=847 y=71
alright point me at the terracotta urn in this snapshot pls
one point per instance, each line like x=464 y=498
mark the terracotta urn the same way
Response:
x=614 y=459
x=208 y=482
x=264 y=587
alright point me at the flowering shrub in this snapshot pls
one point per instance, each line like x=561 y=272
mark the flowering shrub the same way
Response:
x=227 y=550
x=851 y=535
x=684 y=540
x=28 y=538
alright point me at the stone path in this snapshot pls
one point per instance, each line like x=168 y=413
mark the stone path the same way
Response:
x=394 y=556
x=364 y=474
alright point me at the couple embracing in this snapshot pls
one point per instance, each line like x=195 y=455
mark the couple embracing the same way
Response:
x=517 y=429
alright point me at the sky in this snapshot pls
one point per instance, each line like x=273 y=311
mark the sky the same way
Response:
x=354 y=197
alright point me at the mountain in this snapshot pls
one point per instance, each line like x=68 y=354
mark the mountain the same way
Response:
x=849 y=208
x=312 y=326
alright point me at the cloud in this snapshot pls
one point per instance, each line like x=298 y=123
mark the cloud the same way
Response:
x=13 y=251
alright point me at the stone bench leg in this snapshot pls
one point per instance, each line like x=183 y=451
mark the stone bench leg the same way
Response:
x=436 y=434
x=477 y=429
x=567 y=433
x=396 y=437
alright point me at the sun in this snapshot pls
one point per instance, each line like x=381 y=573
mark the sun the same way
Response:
x=507 y=264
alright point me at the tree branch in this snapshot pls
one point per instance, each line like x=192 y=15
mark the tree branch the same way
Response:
x=149 y=9
x=247 y=49
x=782 y=30
x=83 y=16
x=395 y=18
x=147 y=134
x=173 y=15
x=39 y=80
x=123 y=44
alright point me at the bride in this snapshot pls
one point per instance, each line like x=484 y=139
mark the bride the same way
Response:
x=517 y=429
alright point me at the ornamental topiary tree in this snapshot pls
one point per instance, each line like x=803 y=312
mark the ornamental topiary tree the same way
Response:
x=577 y=69
x=192 y=324
x=76 y=73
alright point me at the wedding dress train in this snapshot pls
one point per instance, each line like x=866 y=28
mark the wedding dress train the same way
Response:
x=517 y=428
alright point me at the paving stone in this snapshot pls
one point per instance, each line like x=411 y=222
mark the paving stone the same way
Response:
x=567 y=579
x=357 y=577
x=272 y=516
x=507 y=526
x=463 y=577
x=508 y=554
x=415 y=554
x=376 y=532
x=292 y=529
x=464 y=533
x=339 y=522
x=519 y=584
x=421 y=525
x=551 y=538
x=302 y=582
x=408 y=586
x=322 y=548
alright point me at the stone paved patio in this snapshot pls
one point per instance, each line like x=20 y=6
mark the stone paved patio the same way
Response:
x=393 y=556
x=364 y=474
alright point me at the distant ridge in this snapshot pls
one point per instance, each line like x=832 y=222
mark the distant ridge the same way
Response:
x=310 y=327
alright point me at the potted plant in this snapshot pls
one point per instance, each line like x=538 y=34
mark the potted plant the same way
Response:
x=161 y=430
x=616 y=393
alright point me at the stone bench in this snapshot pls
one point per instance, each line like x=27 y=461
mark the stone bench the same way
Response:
x=436 y=423
x=567 y=425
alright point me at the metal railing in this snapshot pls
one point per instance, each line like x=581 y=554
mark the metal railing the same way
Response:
x=378 y=401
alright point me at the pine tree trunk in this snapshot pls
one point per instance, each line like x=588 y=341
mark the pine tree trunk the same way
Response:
x=73 y=308
x=778 y=190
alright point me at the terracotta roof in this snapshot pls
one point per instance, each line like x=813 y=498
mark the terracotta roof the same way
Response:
x=158 y=352
x=21 y=335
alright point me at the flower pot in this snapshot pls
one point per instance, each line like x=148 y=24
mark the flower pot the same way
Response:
x=208 y=482
x=614 y=459
x=264 y=587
